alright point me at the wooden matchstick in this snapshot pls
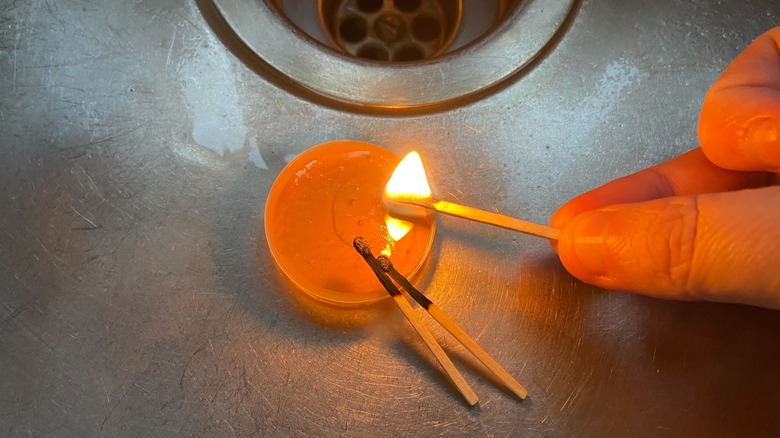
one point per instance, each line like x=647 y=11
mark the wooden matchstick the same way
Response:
x=453 y=328
x=485 y=217
x=362 y=247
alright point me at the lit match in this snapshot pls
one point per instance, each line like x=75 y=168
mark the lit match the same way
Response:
x=408 y=190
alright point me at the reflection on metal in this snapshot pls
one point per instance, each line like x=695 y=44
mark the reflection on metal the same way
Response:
x=455 y=77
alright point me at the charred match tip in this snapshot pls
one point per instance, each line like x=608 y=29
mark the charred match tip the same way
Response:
x=361 y=245
x=385 y=263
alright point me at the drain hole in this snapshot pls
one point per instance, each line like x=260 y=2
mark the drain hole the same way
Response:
x=369 y=6
x=408 y=53
x=353 y=29
x=407 y=5
x=374 y=53
x=408 y=30
x=426 y=28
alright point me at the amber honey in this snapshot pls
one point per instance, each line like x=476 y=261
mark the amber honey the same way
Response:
x=319 y=203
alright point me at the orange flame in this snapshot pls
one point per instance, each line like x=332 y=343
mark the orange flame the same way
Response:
x=408 y=179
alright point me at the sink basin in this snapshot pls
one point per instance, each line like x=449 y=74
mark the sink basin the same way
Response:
x=139 y=142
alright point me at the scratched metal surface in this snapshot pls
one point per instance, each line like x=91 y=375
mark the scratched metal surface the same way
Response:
x=138 y=298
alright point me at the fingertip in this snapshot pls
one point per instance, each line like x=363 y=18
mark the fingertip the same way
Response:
x=739 y=124
x=641 y=186
x=599 y=197
x=563 y=215
x=581 y=245
x=644 y=247
x=739 y=129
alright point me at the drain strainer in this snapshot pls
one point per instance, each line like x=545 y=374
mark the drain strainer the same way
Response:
x=384 y=30
x=391 y=30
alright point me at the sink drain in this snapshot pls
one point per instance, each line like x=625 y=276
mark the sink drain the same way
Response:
x=391 y=30
x=394 y=54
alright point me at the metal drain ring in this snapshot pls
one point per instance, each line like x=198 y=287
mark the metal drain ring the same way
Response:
x=444 y=80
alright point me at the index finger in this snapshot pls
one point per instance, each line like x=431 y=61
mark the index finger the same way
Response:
x=688 y=174
x=739 y=125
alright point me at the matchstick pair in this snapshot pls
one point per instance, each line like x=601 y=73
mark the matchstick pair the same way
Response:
x=384 y=270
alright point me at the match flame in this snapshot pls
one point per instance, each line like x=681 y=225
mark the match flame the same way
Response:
x=409 y=180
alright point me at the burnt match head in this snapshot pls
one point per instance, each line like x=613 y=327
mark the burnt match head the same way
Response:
x=361 y=245
x=385 y=263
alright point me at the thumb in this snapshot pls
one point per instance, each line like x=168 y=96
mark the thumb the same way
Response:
x=739 y=125
x=715 y=247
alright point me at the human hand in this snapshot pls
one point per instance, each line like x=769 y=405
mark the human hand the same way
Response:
x=704 y=225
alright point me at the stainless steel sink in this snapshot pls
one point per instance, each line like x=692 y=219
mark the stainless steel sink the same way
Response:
x=138 y=142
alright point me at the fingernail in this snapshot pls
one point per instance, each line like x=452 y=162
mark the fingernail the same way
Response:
x=763 y=130
x=589 y=241
x=763 y=136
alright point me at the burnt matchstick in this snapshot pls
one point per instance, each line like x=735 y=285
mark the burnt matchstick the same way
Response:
x=453 y=328
x=362 y=247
